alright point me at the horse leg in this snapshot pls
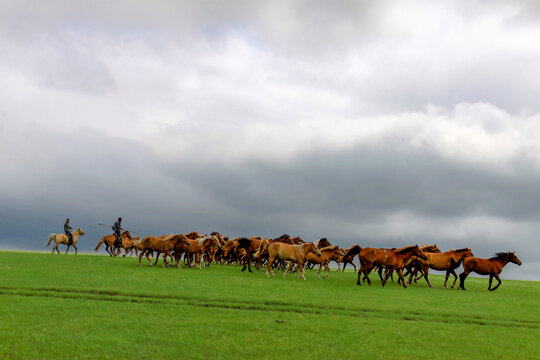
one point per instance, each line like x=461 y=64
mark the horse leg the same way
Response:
x=319 y=272
x=400 y=277
x=268 y=266
x=300 y=266
x=490 y=280
x=358 y=282
x=499 y=280
x=380 y=273
x=455 y=277
x=75 y=249
x=67 y=249
x=54 y=247
x=462 y=277
x=148 y=257
x=140 y=257
x=425 y=274
x=411 y=273
x=446 y=278
x=327 y=270
x=165 y=263
x=289 y=269
x=386 y=275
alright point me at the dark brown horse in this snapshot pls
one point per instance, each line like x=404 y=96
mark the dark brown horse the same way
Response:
x=447 y=261
x=348 y=258
x=250 y=246
x=491 y=267
x=390 y=259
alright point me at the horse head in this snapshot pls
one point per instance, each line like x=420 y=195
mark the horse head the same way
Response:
x=311 y=247
x=513 y=258
x=419 y=253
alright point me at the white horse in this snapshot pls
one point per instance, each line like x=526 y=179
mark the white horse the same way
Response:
x=63 y=239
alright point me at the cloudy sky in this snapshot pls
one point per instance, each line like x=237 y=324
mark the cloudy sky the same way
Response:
x=376 y=123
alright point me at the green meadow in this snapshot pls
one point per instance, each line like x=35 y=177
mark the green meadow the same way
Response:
x=96 y=307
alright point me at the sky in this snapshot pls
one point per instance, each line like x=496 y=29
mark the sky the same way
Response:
x=381 y=123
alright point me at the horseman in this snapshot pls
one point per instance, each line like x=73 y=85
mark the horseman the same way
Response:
x=67 y=230
x=117 y=227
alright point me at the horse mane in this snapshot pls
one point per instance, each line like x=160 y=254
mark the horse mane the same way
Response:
x=502 y=255
x=284 y=236
x=462 y=250
x=406 y=249
x=329 y=248
x=353 y=250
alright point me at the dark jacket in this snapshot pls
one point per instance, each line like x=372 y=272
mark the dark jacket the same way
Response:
x=67 y=228
x=117 y=227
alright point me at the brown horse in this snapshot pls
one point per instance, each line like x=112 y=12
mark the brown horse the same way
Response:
x=328 y=254
x=128 y=246
x=296 y=254
x=63 y=239
x=391 y=259
x=163 y=244
x=110 y=240
x=321 y=243
x=491 y=267
x=198 y=247
x=447 y=261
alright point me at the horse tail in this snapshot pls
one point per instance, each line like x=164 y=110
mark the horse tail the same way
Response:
x=262 y=248
x=354 y=250
x=99 y=243
x=51 y=238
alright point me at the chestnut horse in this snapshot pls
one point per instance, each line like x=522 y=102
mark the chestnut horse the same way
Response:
x=109 y=241
x=491 y=267
x=198 y=247
x=164 y=244
x=296 y=254
x=63 y=239
x=448 y=261
x=328 y=254
x=391 y=259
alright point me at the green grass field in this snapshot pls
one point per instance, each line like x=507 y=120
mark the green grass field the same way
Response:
x=86 y=307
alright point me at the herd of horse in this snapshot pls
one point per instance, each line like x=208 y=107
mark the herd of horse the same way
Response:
x=288 y=253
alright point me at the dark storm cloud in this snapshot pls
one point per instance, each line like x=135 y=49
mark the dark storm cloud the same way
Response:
x=95 y=178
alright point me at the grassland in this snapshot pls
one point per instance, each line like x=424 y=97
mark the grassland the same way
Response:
x=86 y=307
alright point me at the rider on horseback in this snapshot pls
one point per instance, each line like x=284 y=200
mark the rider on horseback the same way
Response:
x=67 y=230
x=117 y=227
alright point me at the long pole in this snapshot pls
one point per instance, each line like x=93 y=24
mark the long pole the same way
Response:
x=134 y=232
